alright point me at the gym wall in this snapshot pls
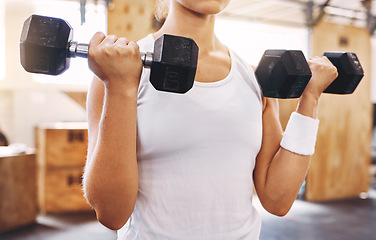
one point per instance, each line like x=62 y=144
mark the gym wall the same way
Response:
x=340 y=166
x=373 y=70
x=131 y=18
x=23 y=103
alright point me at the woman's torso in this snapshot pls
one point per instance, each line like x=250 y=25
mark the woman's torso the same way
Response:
x=196 y=153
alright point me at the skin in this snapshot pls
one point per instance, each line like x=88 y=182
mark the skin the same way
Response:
x=111 y=173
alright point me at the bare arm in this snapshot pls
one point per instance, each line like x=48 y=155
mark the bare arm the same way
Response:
x=279 y=173
x=111 y=175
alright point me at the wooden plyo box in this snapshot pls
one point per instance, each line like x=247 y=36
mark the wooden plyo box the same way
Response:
x=61 y=191
x=61 y=154
x=61 y=145
x=18 y=191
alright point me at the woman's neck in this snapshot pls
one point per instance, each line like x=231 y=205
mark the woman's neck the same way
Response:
x=187 y=23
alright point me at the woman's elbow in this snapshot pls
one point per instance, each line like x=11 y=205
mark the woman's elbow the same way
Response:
x=280 y=212
x=277 y=208
x=113 y=222
x=112 y=216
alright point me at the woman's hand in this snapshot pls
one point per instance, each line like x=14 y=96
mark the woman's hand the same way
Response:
x=323 y=74
x=116 y=61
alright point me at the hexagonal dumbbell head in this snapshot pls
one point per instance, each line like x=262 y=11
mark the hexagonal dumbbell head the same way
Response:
x=283 y=73
x=174 y=64
x=44 y=45
x=350 y=72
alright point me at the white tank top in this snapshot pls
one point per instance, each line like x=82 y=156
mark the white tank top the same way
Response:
x=196 y=154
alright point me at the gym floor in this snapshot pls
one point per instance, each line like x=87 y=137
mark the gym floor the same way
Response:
x=341 y=220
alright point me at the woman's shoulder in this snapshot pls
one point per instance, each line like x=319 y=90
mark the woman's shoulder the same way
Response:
x=240 y=61
x=246 y=71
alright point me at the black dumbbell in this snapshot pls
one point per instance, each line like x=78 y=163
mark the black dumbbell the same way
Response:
x=350 y=72
x=285 y=73
x=46 y=47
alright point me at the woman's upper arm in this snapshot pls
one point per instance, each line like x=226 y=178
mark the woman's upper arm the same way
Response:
x=272 y=129
x=94 y=108
x=271 y=138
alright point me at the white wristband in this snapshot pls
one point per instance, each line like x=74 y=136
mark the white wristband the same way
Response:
x=300 y=134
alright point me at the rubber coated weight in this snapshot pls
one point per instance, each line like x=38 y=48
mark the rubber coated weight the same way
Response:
x=46 y=47
x=174 y=64
x=283 y=73
x=350 y=72
x=43 y=45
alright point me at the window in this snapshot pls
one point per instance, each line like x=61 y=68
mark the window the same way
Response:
x=251 y=39
x=2 y=40
x=78 y=72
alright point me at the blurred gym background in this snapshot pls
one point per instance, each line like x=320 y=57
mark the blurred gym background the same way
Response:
x=43 y=119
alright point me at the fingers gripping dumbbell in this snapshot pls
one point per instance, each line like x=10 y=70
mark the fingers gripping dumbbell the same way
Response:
x=46 y=47
x=285 y=73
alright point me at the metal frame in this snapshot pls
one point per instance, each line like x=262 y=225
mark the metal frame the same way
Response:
x=83 y=11
x=83 y=8
x=371 y=19
x=313 y=12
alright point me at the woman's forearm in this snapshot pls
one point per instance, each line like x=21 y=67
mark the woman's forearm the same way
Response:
x=308 y=105
x=111 y=174
x=285 y=176
x=287 y=170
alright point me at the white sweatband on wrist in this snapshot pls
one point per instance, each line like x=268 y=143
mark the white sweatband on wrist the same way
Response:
x=300 y=134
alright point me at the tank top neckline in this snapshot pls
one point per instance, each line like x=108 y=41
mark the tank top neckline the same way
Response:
x=218 y=82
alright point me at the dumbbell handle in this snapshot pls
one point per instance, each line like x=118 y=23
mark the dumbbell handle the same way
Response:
x=78 y=49
x=82 y=49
